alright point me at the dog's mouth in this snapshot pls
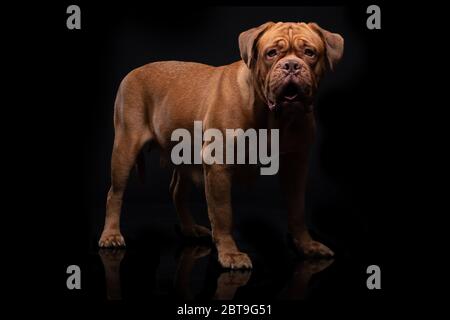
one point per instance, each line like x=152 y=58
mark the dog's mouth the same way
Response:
x=291 y=94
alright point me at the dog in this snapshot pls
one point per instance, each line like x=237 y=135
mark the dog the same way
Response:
x=274 y=86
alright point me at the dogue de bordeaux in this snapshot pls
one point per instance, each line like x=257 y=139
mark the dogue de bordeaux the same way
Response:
x=272 y=86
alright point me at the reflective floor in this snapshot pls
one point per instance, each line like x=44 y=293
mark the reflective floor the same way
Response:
x=227 y=283
x=162 y=265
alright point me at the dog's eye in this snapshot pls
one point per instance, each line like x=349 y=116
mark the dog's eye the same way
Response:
x=271 y=53
x=310 y=52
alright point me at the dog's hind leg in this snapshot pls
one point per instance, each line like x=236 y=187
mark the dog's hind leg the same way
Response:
x=132 y=132
x=180 y=189
x=126 y=148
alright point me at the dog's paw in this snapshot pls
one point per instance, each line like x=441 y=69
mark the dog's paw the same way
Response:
x=314 y=249
x=111 y=240
x=195 y=231
x=235 y=260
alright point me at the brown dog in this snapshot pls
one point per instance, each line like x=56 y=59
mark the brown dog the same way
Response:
x=272 y=86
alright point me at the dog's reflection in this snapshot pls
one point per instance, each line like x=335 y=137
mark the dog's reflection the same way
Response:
x=228 y=282
x=111 y=259
x=304 y=270
x=186 y=262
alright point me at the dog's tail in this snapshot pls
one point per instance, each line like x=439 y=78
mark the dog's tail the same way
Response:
x=140 y=166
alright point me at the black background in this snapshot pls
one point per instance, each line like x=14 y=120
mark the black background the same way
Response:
x=348 y=192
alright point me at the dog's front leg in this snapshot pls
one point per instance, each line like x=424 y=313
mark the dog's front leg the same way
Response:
x=293 y=173
x=218 y=197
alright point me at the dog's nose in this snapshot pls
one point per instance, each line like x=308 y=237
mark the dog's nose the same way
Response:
x=291 y=66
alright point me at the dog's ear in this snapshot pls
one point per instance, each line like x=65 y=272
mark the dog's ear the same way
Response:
x=334 y=44
x=248 y=40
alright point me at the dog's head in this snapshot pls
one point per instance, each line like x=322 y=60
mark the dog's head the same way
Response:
x=288 y=60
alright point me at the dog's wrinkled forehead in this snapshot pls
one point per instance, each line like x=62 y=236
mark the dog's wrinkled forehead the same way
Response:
x=290 y=35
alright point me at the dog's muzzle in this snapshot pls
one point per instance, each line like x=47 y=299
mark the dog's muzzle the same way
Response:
x=291 y=90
